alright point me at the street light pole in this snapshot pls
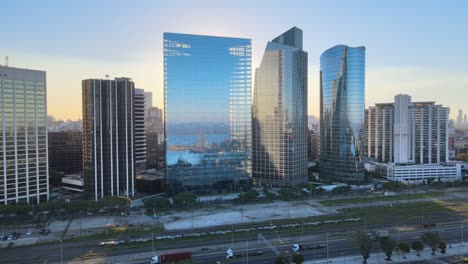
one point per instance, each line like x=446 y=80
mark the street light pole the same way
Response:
x=462 y=232
x=61 y=251
x=327 y=247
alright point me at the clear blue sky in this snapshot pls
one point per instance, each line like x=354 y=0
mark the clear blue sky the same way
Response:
x=414 y=47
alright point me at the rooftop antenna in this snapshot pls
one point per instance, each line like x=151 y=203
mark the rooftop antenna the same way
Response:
x=6 y=61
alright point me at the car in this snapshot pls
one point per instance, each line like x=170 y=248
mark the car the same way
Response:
x=429 y=225
x=29 y=233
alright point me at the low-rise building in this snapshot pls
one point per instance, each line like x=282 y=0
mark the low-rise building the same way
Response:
x=73 y=183
x=420 y=173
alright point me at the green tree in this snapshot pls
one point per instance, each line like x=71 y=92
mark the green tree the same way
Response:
x=442 y=247
x=158 y=203
x=55 y=178
x=387 y=246
x=364 y=243
x=432 y=239
x=281 y=260
x=417 y=246
x=341 y=190
x=298 y=258
x=269 y=195
x=185 y=199
x=393 y=186
x=404 y=248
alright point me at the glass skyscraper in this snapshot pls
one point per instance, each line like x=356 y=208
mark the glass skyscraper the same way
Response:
x=207 y=87
x=280 y=113
x=24 y=167
x=342 y=88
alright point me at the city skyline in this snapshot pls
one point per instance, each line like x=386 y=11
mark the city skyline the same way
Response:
x=415 y=50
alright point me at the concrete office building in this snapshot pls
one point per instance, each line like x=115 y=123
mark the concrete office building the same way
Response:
x=407 y=132
x=108 y=137
x=140 y=127
x=24 y=167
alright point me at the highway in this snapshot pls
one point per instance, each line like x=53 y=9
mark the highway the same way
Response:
x=337 y=246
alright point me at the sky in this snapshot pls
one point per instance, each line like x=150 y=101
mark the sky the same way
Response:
x=414 y=47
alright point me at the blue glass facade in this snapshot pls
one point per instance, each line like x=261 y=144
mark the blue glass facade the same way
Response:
x=342 y=90
x=280 y=113
x=207 y=86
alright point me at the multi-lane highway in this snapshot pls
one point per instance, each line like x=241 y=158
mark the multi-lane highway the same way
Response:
x=339 y=244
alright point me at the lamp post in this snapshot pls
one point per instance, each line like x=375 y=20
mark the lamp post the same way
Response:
x=327 y=247
x=61 y=251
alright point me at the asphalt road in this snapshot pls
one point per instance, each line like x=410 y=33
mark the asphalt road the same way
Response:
x=337 y=247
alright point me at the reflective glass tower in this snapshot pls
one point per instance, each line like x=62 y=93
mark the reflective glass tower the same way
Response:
x=342 y=86
x=24 y=167
x=280 y=113
x=207 y=86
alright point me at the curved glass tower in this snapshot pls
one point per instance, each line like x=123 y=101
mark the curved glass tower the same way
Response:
x=342 y=86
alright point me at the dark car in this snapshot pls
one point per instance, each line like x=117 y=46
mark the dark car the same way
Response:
x=429 y=225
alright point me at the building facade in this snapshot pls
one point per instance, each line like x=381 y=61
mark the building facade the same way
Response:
x=108 y=137
x=23 y=149
x=66 y=151
x=140 y=127
x=279 y=131
x=342 y=94
x=207 y=86
x=155 y=139
x=407 y=132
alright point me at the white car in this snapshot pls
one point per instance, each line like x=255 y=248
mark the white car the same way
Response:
x=29 y=232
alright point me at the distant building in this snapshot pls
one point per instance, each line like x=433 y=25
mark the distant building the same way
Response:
x=54 y=125
x=108 y=137
x=407 y=132
x=420 y=173
x=73 y=183
x=207 y=88
x=148 y=100
x=342 y=94
x=314 y=144
x=279 y=131
x=24 y=165
x=66 y=151
x=140 y=128
x=155 y=139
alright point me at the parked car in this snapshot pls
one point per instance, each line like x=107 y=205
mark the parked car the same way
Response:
x=29 y=232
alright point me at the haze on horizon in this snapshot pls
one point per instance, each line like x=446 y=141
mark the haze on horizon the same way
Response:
x=416 y=47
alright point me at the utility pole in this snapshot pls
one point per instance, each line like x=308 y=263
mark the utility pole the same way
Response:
x=61 y=252
x=302 y=229
x=327 y=248
x=462 y=232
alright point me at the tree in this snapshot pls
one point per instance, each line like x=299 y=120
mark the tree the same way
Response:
x=282 y=260
x=404 y=247
x=298 y=258
x=185 y=199
x=158 y=203
x=432 y=239
x=393 y=186
x=417 y=246
x=55 y=178
x=364 y=242
x=340 y=190
x=387 y=246
x=248 y=196
x=442 y=246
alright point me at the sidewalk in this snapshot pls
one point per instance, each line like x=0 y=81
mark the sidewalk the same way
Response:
x=456 y=250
